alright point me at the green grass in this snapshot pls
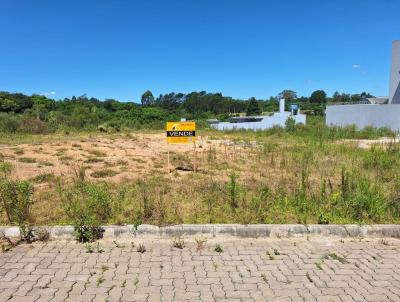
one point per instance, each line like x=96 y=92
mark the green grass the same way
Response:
x=43 y=178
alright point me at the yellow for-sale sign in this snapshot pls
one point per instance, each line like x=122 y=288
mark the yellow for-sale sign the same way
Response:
x=181 y=132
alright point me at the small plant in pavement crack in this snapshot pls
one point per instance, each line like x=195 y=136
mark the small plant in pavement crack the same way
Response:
x=141 y=248
x=100 y=280
x=200 y=242
x=178 y=242
x=218 y=248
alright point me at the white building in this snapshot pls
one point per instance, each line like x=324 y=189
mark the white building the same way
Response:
x=376 y=112
x=262 y=122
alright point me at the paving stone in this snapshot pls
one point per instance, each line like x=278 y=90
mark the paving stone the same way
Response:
x=64 y=271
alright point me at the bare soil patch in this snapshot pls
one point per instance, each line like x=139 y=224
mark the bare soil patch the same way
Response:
x=116 y=158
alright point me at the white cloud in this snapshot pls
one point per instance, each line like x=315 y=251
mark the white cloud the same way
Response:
x=50 y=93
x=356 y=66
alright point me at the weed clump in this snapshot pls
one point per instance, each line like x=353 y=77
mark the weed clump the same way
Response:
x=178 y=242
x=88 y=206
x=28 y=160
x=200 y=243
x=92 y=160
x=218 y=248
x=42 y=234
x=5 y=168
x=233 y=191
x=43 y=178
x=104 y=173
x=141 y=248
x=16 y=200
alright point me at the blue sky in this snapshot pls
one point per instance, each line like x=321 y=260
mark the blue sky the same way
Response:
x=119 y=49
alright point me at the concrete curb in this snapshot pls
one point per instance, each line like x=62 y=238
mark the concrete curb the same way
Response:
x=237 y=230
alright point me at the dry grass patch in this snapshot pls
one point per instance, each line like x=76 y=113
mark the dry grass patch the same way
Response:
x=19 y=151
x=93 y=160
x=104 y=173
x=96 y=153
x=45 y=163
x=28 y=160
x=43 y=178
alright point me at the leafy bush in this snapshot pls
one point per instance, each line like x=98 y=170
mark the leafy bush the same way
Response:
x=5 y=168
x=32 y=125
x=368 y=203
x=290 y=124
x=88 y=205
x=233 y=189
x=16 y=199
x=110 y=127
x=9 y=123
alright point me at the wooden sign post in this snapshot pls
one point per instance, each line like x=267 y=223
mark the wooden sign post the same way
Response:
x=181 y=133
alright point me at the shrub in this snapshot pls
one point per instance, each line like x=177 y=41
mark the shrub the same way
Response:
x=5 y=168
x=110 y=127
x=368 y=203
x=290 y=124
x=9 y=123
x=16 y=199
x=88 y=206
x=233 y=189
x=32 y=125
x=147 y=199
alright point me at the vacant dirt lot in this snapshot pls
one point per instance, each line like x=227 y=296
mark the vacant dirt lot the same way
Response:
x=112 y=157
x=242 y=177
x=124 y=157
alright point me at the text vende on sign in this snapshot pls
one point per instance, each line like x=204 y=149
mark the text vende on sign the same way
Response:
x=181 y=132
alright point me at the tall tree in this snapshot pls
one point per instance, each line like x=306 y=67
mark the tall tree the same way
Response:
x=253 y=108
x=147 y=98
x=288 y=95
x=318 y=97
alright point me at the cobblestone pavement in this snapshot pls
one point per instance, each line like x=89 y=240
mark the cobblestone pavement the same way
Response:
x=317 y=269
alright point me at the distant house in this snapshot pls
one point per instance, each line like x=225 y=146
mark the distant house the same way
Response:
x=262 y=122
x=376 y=112
x=375 y=101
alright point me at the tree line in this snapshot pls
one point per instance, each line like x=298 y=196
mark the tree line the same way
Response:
x=40 y=114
